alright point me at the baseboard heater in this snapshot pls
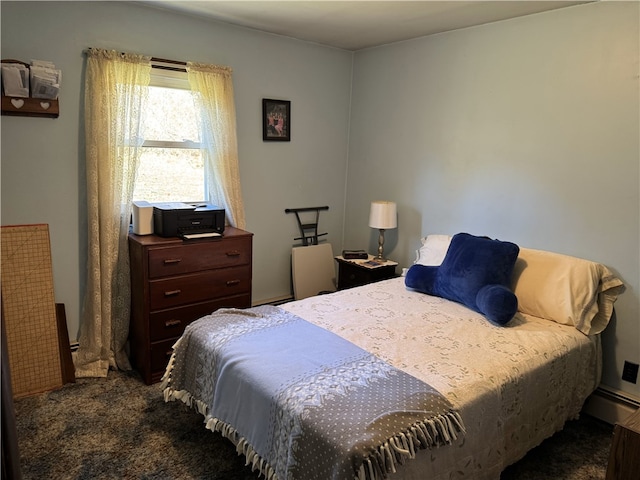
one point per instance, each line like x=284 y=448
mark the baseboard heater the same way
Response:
x=610 y=405
x=272 y=301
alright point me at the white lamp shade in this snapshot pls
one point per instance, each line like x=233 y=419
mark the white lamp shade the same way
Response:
x=383 y=215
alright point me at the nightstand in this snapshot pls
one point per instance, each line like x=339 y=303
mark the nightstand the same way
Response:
x=354 y=273
x=624 y=462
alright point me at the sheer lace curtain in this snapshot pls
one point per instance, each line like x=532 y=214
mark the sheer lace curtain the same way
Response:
x=214 y=93
x=116 y=89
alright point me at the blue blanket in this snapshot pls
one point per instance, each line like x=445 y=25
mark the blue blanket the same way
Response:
x=301 y=402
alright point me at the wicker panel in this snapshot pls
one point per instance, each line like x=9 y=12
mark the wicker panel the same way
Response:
x=29 y=309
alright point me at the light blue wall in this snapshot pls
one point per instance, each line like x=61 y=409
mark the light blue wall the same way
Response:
x=525 y=130
x=43 y=159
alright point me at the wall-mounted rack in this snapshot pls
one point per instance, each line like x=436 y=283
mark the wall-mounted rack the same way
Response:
x=29 y=106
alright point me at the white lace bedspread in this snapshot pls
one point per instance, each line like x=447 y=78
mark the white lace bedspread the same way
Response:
x=514 y=386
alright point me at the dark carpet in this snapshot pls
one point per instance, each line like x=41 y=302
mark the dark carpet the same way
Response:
x=119 y=428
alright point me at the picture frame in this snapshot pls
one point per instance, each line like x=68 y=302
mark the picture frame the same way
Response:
x=276 y=120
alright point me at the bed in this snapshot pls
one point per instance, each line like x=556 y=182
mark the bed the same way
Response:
x=473 y=395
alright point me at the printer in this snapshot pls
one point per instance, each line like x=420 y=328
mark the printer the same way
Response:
x=177 y=219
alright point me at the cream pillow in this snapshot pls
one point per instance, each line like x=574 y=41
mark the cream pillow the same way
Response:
x=567 y=290
x=433 y=250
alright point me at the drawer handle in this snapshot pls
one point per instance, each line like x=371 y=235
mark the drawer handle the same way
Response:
x=172 y=293
x=168 y=353
x=233 y=253
x=172 y=323
x=170 y=261
x=231 y=283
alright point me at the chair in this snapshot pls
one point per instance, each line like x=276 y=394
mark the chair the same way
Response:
x=313 y=270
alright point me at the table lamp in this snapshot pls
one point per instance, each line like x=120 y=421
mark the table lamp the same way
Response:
x=383 y=216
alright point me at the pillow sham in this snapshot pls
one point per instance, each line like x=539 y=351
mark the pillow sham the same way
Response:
x=567 y=290
x=433 y=250
x=476 y=272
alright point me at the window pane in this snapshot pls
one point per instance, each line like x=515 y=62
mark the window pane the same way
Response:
x=171 y=115
x=170 y=175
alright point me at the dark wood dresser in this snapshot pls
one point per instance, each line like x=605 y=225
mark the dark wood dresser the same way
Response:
x=174 y=282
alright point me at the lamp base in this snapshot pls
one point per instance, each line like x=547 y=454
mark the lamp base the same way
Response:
x=380 y=257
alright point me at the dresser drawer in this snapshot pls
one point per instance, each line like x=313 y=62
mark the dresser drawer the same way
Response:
x=160 y=355
x=163 y=339
x=199 y=287
x=171 y=323
x=187 y=258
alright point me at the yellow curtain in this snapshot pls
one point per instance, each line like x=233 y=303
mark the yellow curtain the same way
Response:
x=214 y=93
x=116 y=89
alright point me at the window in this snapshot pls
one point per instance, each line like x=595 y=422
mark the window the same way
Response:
x=171 y=162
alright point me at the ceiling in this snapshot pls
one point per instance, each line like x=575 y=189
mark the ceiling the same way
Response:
x=354 y=25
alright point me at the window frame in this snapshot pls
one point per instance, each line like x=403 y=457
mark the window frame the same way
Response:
x=170 y=79
x=164 y=77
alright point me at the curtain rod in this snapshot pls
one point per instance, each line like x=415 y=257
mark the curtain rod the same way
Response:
x=181 y=68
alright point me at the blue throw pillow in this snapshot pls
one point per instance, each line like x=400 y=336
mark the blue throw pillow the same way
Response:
x=476 y=272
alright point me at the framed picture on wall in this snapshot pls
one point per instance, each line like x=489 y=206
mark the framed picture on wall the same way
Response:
x=276 y=120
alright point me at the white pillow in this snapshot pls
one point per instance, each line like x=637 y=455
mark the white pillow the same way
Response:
x=566 y=290
x=433 y=250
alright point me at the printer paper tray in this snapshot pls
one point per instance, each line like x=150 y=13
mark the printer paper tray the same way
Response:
x=193 y=236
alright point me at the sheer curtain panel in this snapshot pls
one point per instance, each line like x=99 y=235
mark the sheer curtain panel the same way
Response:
x=116 y=89
x=213 y=87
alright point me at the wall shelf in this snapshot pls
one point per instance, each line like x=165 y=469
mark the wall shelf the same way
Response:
x=30 y=107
